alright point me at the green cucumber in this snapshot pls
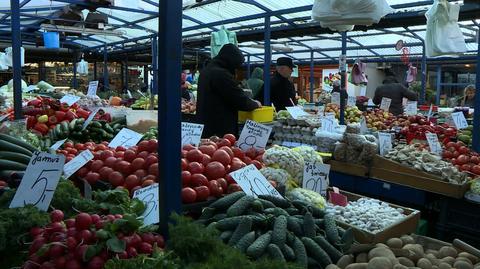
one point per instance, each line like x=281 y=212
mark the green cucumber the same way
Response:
x=308 y=225
x=15 y=156
x=244 y=227
x=288 y=253
x=316 y=252
x=226 y=236
x=8 y=146
x=266 y=204
x=332 y=252
x=275 y=253
x=280 y=202
x=294 y=226
x=331 y=229
x=18 y=142
x=207 y=213
x=300 y=252
x=258 y=247
x=227 y=201
x=276 y=211
x=245 y=242
x=279 y=235
x=240 y=206
x=72 y=124
x=11 y=165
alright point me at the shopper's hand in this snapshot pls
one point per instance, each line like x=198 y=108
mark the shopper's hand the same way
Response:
x=259 y=105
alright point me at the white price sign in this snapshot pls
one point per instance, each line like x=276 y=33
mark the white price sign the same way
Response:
x=254 y=135
x=125 y=138
x=40 y=181
x=129 y=94
x=430 y=111
x=90 y=118
x=296 y=112
x=69 y=99
x=92 y=88
x=459 y=120
x=315 y=177
x=58 y=144
x=385 y=105
x=76 y=163
x=336 y=98
x=253 y=182
x=411 y=108
x=385 y=141
x=191 y=133
x=351 y=101
x=149 y=196
x=4 y=117
x=363 y=125
x=433 y=143
x=328 y=125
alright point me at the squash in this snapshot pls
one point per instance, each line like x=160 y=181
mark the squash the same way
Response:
x=115 y=101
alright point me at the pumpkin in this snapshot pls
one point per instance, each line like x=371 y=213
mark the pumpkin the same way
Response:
x=115 y=101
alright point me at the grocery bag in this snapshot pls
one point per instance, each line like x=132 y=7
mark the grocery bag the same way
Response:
x=3 y=61
x=220 y=38
x=82 y=67
x=411 y=74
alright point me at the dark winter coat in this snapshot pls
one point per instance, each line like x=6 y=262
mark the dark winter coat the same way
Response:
x=281 y=91
x=219 y=97
x=396 y=92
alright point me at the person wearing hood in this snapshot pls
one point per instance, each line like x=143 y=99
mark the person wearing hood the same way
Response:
x=255 y=83
x=219 y=96
x=282 y=89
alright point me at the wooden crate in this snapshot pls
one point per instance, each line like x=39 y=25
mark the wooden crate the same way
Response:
x=348 y=168
x=407 y=225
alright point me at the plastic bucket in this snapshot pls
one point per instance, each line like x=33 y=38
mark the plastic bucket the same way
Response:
x=51 y=40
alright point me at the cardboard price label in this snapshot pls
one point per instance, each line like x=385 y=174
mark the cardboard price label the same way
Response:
x=69 y=99
x=125 y=138
x=191 y=133
x=459 y=120
x=58 y=144
x=336 y=98
x=385 y=141
x=76 y=163
x=433 y=143
x=296 y=112
x=253 y=182
x=352 y=101
x=149 y=196
x=92 y=88
x=40 y=181
x=411 y=108
x=315 y=177
x=385 y=104
x=254 y=135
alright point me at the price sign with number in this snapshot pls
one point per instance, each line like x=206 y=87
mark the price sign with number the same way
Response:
x=253 y=182
x=149 y=196
x=254 y=135
x=296 y=112
x=433 y=143
x=90 y=118
x=328 y=125
x=76 y=163
x=191 y=133
x=385 y=141
x=40 y=181
x=315 y=177
x=411 y=108
x=69 y=99
x=92 y=88
x=125 y=138
x=336 y=98
x=351 y=101
x=459 y=120
x=385 y=104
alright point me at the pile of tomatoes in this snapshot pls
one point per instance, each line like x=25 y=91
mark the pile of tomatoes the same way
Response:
x=462 y=157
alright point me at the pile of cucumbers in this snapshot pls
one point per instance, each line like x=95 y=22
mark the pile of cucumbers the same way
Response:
x=96 y=131
x=268 y=226
x=15 y=155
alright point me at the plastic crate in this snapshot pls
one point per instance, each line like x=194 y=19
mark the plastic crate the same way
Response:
x=263 y=114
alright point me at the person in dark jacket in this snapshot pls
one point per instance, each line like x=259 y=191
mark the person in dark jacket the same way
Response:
x=395 y=91
x=219 y=96
x=282 y=91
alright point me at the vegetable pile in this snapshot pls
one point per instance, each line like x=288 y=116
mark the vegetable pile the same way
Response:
x=15 y=155
x=277 y=228
x=462 y=157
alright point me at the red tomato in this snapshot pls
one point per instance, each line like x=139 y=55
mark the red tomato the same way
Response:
x=475 y=159
x=247 y=161
x=141 y=173
x=82 y=172
x=105 y=172
x=147 y=183
x=124 y=167
x=120 y=148
x=447 y=154
x=257 y=164
x=228 y=150
x=463 y=150
x=215 y=188
x=143 y=146
x=222 y=156
x=195 y=168
x=80 y=146
x=188 y=147
x=251 y=153
x=476 y=169
x=153 y=170
x=72 y=151
x=230 y=179
x=184 y=164
x=152 y=145
x=96 y=165
x=138 y=163
x=132 y=181
x=110 y=161
x=455 y=154
x=224 y=142
x=466 y=167
x=202 y=193
x=231 y=138
x=234 y=188
x=68 y=145
x=100 y=147
x=463 y=159
x=129 y=155
x=207 y=149
x=189 y=195
x=143 y=154
x=186 y=178
x=206 y=159
x=119 y=154
x=223 y=183
x=237 y=152
x=215 y=170
x=150 y=177
x=151 y=159
x=199 y=180
x=92 y=177
x=106 y=154
x=194 y=155
x=116 y=179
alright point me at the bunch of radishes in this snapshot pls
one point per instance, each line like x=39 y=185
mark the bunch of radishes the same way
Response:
x=205 y=170
x=131 y=168
x=84 y=242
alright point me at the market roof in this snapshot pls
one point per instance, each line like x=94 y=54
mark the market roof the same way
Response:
x=137 y=21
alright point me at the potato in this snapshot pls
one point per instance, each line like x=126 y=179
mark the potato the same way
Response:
x=405 y=261
x=424 y=263
x=380 y=263
x=432 y=259
x=434 y=267
x=444 y=265
x=399 y=266
x=431 y=251
x=395 y=243
x=361 y=258
x=407 y=239
x=381 y=245
x=462 y=265
x=417 y=250
x=449 y=260
x=474 y=259
x=447 y=252
x=344 y=261
x=464 y=259
x=380 y=252
x=332 y=266
x=357 y=266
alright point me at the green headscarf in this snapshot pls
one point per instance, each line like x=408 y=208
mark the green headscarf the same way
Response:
x=255 y=82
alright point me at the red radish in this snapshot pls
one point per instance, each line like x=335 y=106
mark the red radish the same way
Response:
x=194 y=155
x=56 y=215
x=84 y=236
x=132 y=252
x=80 y=252
x=56 y=250
x=153 y=170
x=73 y=264
x=96 y=263
x=71 y=243
x=202 y=193
x=222 y=156
x=145 y=248
x=149 y=238
x=188 y=195
x=138 y=163
x=198 y=180
x=95 y=218
x=72 y=231
x=38 y=243
x=83 y=221
x=160 y=241
x=55 y=227
x=215 y=170
x=122 y=255
x=34 y=231
x=195 y=168
x=60 y=262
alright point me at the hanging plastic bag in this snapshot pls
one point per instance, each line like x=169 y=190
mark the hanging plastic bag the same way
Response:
x=82 y=67
x=3 y=61
x=9 y=53
x=220 y=38
x=443 y=35
x=411 y=74
x=357 y=76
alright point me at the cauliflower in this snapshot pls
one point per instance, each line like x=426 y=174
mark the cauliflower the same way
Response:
x=278 y=175
x=309 y=154
x=475 y=187
x=289 y=160
x=307 y=196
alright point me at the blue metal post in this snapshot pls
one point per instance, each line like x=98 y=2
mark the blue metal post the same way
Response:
x=126 y=74
x=155 y=60
x=94 y=70
x=145 y=75
x=312 y=78
x=439 y=85
x=17 y=68
x=105 y=68
x=249 y=71
x=268 y=61
x=424 y=74
x=169 y=111
x=343 y=79
x=122 y=74
x=74 y=80
x=476 y=115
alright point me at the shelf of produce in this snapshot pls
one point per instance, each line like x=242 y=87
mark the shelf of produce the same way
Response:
x=349 y=168
x=406 y=226
x=393 y=172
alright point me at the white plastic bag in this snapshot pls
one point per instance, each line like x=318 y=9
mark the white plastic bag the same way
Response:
x=9 y=53
x=3 y=61
x=82 y=67
x=443 y=36
x=220 y=38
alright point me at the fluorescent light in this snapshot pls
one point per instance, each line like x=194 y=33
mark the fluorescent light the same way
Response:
x=80 y=30
x=276 y=48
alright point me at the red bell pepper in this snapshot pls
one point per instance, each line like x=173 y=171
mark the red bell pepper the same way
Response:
x=60 y=115
x=64 y=107
x=52 y=120
x=35 y=103
x=69 y=116
x=41 y=128
x=31 y=121
x=82 y=113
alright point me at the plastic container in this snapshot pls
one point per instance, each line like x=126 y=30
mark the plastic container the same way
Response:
x=51 y=40
x=142 y=120
x=262 y=115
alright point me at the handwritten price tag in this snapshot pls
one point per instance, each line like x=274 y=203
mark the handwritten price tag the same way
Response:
x=69 y=99
x=315 y=177
x=328 y=125
x=76 y=163
x=385 y=141
x=125 y=138
x=411 y=108
x=351 y=101
x=433 y=143
x=336 y=98
x=149 y=196
x=92 y=88
x=191 y=133
x=253 y=182
x=40 y=181
x=386 y=102
x=296 y=112
x=459 y=120
x=254 y=135
x=58 y=144
x=90 y=118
